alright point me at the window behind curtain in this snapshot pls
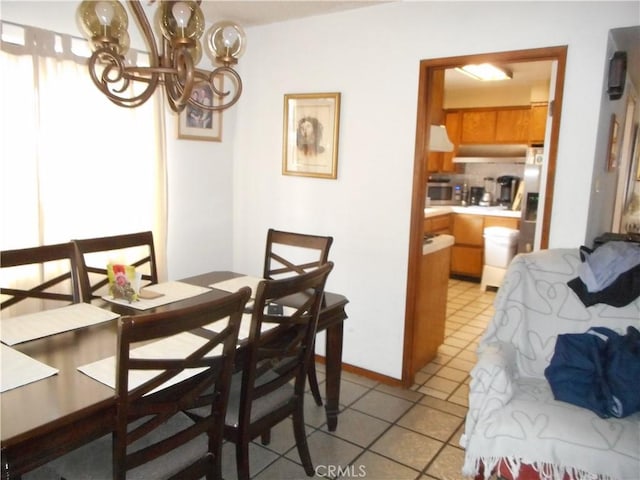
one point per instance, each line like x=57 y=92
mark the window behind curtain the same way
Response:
x=74 y=165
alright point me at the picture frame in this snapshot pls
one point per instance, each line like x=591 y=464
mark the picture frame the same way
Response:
x=311 y=134
x=199 y=124
x=612 y=150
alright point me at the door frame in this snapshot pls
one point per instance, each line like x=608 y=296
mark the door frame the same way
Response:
x=426 y=97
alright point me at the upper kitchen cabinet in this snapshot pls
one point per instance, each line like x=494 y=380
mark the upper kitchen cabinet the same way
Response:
x=538 y=124
x=512 y=125
x=524 y=124
x=478 y=126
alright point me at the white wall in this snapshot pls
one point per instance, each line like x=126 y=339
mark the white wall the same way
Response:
x=371 y=56
x=604 y=184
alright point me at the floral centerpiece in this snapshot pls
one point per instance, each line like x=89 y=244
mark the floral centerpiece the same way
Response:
x=121 y=278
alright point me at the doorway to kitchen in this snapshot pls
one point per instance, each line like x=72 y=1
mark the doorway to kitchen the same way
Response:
x=429 y=112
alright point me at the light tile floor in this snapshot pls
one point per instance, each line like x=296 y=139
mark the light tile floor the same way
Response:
x=387 y=432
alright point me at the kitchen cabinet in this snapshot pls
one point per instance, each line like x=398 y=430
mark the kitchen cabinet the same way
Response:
x=438 y=224
x=493 y=221
x=512 y=125
x=478 y=126
x=467 y=254
x=538 y=124
x=525 y=124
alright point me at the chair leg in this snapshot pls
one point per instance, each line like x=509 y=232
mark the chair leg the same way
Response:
x=242 y=459
x=313 y=382
x=265 y=437
x=301 y=440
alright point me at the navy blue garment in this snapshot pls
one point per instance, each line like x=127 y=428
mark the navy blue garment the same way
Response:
x=598 y=370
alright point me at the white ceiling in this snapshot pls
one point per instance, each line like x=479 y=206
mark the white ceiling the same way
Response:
x=261 y=12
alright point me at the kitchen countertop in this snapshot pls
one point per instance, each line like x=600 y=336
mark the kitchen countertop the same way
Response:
x=436 y=243
x=496 y=211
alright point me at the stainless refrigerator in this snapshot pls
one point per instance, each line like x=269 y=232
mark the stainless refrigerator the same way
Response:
x=529 y=202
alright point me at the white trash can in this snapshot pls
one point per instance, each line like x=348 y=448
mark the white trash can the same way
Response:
x=500 y=245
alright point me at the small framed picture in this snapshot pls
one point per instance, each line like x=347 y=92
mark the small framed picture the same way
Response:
x=310 y=139
x=612 y=151
x=196 y=123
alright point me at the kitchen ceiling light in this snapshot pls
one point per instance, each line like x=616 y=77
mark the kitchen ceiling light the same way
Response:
x=182 y=24
x=486 y=72
x=439 y=140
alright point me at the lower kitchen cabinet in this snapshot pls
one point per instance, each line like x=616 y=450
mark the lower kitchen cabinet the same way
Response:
x=466 y=260
x=437 y=224
x=467 y=254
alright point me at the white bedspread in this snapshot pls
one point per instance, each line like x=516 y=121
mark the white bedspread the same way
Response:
x=513 y=416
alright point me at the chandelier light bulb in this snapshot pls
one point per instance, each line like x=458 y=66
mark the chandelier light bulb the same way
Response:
x=104 y=11
x=226 y=41
x=229 y=36
x=104 y=23
x=182 y=14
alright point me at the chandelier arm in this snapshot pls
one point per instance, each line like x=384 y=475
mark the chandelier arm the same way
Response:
x=221 y=94
x=149 y=38
x=114 y=78
x=182 y=79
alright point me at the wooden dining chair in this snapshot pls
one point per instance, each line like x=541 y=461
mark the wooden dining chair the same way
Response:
x=42 y=277
x=271 y=385
x=290 y=253
x=153 y=438
x=135 y=249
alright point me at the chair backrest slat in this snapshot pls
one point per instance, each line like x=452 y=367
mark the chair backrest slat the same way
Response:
x=93 y=277
x=61 y=284
x=289 y=253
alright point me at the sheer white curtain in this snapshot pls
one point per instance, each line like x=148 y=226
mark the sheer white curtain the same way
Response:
x=74 y=165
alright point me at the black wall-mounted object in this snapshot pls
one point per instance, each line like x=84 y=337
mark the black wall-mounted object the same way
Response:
x=617 y=75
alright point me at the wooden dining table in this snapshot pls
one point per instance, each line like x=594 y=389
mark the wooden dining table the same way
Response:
x=50 y=417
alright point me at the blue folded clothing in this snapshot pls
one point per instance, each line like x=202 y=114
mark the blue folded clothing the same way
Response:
x=601 y=267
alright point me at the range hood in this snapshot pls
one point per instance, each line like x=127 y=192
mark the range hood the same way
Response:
x=498 y=153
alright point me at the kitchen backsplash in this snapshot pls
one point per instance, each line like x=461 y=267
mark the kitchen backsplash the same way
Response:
x=476 y=172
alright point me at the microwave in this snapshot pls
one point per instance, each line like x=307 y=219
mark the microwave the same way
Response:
x=444 y=193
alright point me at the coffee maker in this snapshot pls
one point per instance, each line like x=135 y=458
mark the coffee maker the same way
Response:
x=508 y=185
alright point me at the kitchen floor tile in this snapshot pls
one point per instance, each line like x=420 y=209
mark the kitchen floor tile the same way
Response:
x=359 y=428
x=382 y=405
x=401 y=392
x=259 y=458
x=441 y=384
x=431 y=422
x=407 y=447
x=447 y=464
x=452 y=374
x=328 y=451
x=350 y=392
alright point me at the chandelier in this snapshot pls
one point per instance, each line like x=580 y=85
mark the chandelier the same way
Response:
x=171 y=63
